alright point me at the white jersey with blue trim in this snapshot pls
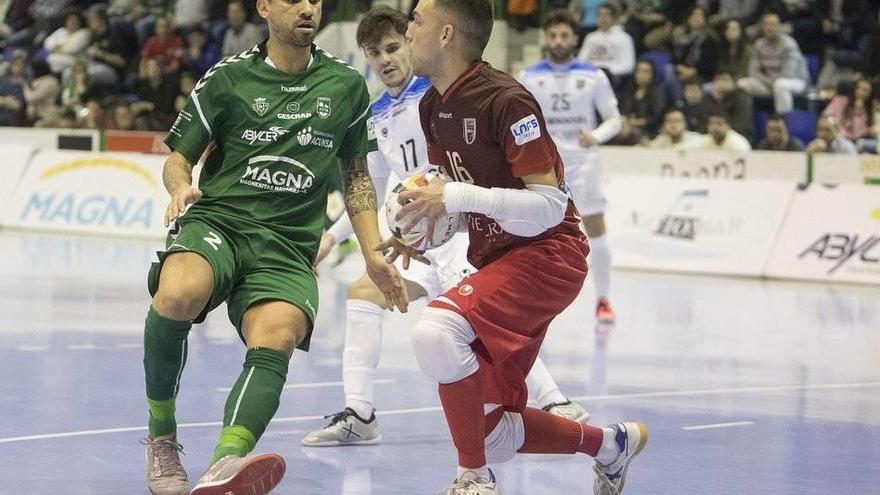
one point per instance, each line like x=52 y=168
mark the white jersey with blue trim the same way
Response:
x=570 y=96
x=402 y=148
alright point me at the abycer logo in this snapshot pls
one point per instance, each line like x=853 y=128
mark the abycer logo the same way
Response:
x=58 y=200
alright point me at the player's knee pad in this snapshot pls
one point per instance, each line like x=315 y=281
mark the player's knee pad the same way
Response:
x=441 y=341
x=506 y=439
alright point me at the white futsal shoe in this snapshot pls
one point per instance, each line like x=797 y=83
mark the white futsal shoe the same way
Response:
x=631 y=439
x=569 y=410
x=165 y=473
x=470 y=483
x=345 y=428
x=255 y=474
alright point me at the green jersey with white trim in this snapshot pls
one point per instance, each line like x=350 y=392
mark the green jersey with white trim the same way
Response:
x=273 y=140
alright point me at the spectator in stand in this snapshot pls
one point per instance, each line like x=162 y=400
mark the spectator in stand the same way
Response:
x=186 y=85
x=828 y=140
x=199 y=55
x=157 y=92
x=674 y=133
x=777 y=66
x=17 y=28
x=720 y=136
x=871 y=63
x=122 y=118
x=641 y=17
x=735 y=53
x=644 y=103
x=697 y=106
x=695 y=50
x=165 y=47
x=107 y=57
x=855 y=113
x=67 y=43
x=733 y=102
x=610 y=48
x=76 y=87
x=189 y=14
x=777 y=137
x=588 y=13
x=845 y=26
x=41 y=94
x=802 y=20
x=241 y=35
x=744 y=11
x=12 y=102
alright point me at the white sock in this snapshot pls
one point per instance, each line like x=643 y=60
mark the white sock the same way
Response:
x=600 y=265
x=482 y=473
x=542 y=388
x=360 y=358
x=609 y=450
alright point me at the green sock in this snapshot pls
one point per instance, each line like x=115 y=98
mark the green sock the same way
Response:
x=165 y=350
x=252 y=401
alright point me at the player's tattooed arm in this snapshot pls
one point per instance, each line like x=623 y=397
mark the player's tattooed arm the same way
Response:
x=360 y=195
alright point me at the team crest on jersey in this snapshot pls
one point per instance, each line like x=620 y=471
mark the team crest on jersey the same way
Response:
x=470 y=130
x=384 y=132
x=581 y=83
x=261 y=106
x=323 y=107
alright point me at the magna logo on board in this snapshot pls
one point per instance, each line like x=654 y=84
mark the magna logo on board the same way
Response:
x=69 y=207
x=850 y=251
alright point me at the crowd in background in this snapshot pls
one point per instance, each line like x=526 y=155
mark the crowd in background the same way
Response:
x=728 y=74
x=117 y=64
x=736 y=74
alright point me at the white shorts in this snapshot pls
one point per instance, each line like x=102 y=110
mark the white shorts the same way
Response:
x=583 y=174
x=448 y=266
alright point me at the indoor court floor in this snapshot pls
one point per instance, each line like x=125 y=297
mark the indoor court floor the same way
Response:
x=748 y=387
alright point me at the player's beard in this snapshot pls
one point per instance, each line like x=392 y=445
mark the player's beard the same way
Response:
x=560 y=54
x=300 y=40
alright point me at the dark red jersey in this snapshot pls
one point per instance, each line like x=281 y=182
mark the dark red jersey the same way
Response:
x=489 y=131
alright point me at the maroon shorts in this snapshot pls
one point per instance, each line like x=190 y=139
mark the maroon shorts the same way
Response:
x=510 y=303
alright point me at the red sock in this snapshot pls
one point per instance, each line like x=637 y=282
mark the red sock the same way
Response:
x=548 y=433
x=463 y=406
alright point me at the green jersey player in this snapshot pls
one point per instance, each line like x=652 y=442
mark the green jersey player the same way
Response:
x=274 y=121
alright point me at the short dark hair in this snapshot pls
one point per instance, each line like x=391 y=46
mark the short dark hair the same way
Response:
x=476 y=16
x=716 y=113
x=378 y=22
x=611 y=8
x=560 y=16
x=777 y=118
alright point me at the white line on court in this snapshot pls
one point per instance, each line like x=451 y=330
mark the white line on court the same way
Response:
x=32 y=348
x=381 y=381
x=674 y=393
x=717 y=425
x=82 y=347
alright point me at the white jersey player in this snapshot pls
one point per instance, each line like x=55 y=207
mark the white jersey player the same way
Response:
x=402 y=153
x=571 y=93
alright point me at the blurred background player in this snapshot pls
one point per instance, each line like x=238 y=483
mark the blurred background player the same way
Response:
x=253 y=233
x=402 y=153
x=479 y=340
x=570 y=93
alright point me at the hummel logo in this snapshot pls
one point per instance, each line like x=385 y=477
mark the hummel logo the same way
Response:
x=304 y=136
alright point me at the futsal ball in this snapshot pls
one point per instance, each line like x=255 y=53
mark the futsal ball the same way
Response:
x=418 y=237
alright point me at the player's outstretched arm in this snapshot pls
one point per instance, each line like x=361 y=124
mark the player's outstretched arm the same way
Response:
x=177 y=176
x=361 y=204
x=523 y=212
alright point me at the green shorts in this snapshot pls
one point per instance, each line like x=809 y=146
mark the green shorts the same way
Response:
x=251 y=264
